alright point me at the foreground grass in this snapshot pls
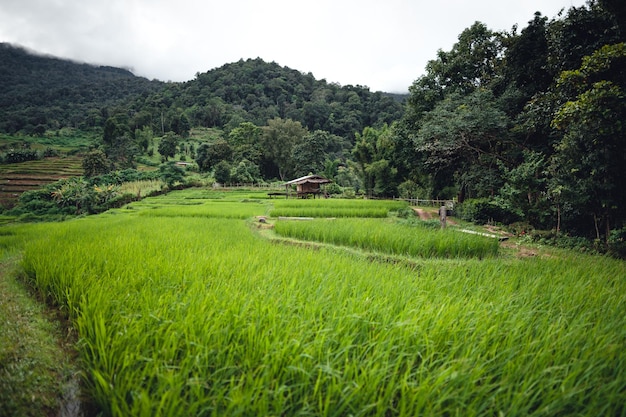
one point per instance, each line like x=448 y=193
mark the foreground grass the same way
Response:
x=198 y=314
x=35 y=368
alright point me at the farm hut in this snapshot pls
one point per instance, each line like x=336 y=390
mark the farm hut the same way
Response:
x=307 y=185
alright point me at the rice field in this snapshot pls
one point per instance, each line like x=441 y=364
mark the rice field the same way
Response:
x=192 y=203
x=335 y=208
x=200 y=315
x=226 y=209
x=390 y=237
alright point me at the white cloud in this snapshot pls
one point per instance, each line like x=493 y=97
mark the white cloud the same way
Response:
x=384 y=45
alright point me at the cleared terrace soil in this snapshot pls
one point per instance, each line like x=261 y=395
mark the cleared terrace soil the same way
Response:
x=424 y=214
x=31 y=175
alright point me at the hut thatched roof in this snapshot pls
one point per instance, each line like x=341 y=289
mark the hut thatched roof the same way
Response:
x=315 y=179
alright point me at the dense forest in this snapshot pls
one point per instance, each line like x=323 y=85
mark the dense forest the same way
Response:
x=528 y=124
x=522 y=127
x=42 y=92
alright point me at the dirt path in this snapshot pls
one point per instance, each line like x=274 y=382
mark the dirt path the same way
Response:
x=430 y=214
x=520 y=251
x=424 y=214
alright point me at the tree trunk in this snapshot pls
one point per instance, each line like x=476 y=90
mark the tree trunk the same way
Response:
x=595 y=223
x=607 y=229
x=558 y=219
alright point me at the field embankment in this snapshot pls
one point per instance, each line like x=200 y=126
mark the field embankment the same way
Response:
x=37 y=374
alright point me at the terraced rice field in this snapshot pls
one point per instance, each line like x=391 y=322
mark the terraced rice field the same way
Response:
x=187 y=309
x=26 y=176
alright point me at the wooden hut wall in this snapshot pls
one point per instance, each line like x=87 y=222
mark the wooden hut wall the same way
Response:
x=309 y=187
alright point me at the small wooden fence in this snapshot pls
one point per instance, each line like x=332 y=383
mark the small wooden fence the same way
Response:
x=429 y=203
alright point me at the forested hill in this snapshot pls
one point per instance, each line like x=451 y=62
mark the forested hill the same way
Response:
x=256 y=91
x=43 y=92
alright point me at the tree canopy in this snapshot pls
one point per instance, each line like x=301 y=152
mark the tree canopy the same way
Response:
x=531 y=120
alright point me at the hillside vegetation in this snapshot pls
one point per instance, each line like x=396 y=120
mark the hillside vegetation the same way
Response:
x=43 y=92
x=521 y=127
x=40 y=91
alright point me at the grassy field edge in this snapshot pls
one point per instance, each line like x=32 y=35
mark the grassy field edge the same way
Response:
x=38 y=372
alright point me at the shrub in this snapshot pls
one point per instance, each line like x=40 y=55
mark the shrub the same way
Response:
x=484 y=210
x=409 y=189
x=617 y=242
x=406 y=213
x=50 y=152
x=121 y=200
x=333 y=188
x=222 y=172
x=171 y=174
x=349 y=193
x=37 y=202
x=520 y=228
x=124 y=176
x=246 y=172
x=20 y=155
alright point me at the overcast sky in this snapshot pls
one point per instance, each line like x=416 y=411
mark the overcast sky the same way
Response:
x=382 y=44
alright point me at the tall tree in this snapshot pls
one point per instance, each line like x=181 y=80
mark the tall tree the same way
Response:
x=279 y=138
x=209 y=155
x=525 y=191
x=120 y=149
x=526 y=58
x=474 y=61
x=144 y=137
x=373 y=153
x=462 y=140
x=618 y=9
x=310 y=154
x=592 y=154
x=245 y=141
x=95 y=163
x=115 y=127
x=168 y=145
x=584 y=30
x=180 y=125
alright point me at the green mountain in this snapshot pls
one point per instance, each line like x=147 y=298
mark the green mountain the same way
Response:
x=42 y=92
x=51 y=93
x=256 y=91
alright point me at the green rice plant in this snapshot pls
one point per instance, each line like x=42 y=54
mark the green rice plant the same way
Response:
x=224 y=209
x=200 y=316
x=391 y=238
x=204 y=203
x=217 y=194
x=335 y=208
